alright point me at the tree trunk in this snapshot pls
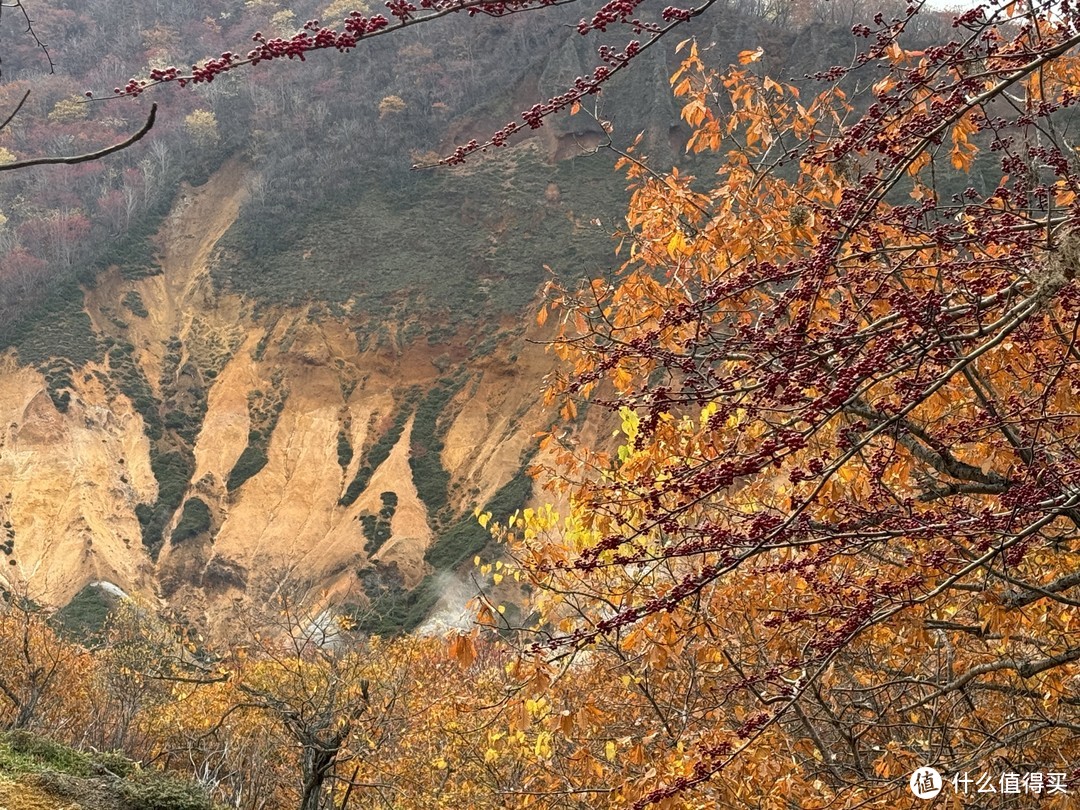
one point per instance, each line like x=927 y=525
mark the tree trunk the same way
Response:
x=317 y=763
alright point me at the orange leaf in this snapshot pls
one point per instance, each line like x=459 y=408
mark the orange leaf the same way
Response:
x=463 y=651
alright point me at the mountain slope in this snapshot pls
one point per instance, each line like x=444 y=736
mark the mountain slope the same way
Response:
x=213 y=442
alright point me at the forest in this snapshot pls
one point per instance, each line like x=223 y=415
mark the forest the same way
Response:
x=801 y=530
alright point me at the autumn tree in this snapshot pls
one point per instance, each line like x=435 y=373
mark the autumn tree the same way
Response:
x=311 y=680
x=300 y=711
x=138 y=657
x=839 y=537
x=43 y=677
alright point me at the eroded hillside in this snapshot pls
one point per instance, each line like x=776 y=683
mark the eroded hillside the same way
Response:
x=212 y=445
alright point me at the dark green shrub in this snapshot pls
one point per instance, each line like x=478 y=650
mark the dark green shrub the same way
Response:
x=377 y=528
x=62 y=400
x=173 y=472
x=85 y=615
x=425 y=456
x=144 y=512
x=394 y=610
x=438 y=275
x=113 y=762
x=194 y=520
x=58 y=383
x=176 y=420
x=251 y=461
x=264 y=410
x=467 y=538
x=367 y=525
x=134 y=304
x=57 y=327
x=344 y=449
x=132 y=382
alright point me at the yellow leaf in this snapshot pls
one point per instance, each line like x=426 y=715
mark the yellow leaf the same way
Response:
x=746 y=57
x=609 y=750
x=542 y=749
x=676 y=244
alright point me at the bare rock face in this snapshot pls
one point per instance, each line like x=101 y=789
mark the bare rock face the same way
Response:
x=69 y=483
x=214 y=447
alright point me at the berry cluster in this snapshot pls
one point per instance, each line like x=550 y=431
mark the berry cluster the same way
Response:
x=402 y=9
x=673 y=14
x=611 y=12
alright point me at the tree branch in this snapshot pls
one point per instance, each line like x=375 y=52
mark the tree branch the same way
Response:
x=48 y=161
x=1025 y=669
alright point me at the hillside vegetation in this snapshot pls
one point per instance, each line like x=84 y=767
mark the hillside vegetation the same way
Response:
x=38 y=774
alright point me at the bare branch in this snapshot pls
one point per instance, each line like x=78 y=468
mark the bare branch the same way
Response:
x=48 y=161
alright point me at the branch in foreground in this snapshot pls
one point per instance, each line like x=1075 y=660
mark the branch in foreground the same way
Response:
x=47 y=161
